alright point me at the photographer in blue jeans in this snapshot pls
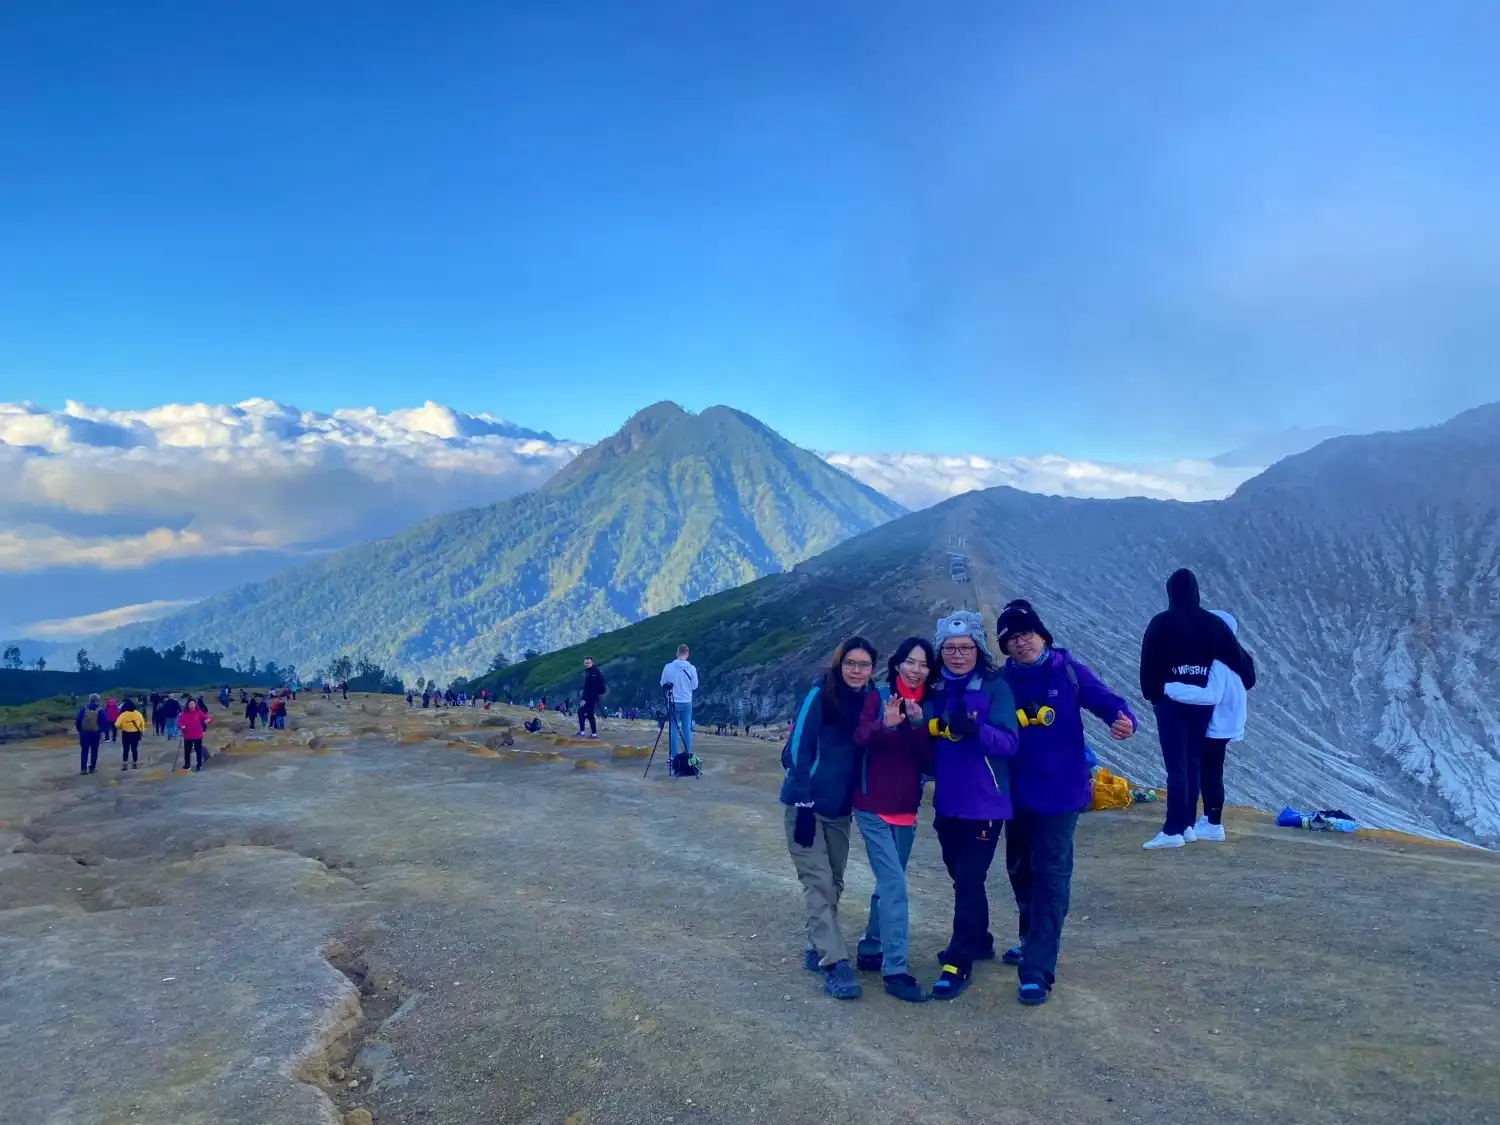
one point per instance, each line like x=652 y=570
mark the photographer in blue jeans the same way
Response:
x=680 y=679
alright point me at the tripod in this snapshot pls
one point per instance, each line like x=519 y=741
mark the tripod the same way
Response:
x=677 y=726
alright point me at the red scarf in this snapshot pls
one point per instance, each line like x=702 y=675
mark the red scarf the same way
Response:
x=912 y=693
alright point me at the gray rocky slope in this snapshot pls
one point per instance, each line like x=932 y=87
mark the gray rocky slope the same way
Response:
x=1365 y=574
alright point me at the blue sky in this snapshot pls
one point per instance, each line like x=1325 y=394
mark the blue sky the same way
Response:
x=1121 y=230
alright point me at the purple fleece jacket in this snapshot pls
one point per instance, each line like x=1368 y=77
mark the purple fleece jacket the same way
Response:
x=1050 y=772
x=972 y=776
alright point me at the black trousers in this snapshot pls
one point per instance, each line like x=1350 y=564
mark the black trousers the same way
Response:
x=1039 y=861
x=586 y=711
x=130 y=747
x=1212 y=779
x=189 y=745
x=160 y=724
x=1182 y=729
x=968 y=850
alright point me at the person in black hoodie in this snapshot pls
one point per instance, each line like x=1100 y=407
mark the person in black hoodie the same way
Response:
x=593 y=691
x=1180 y=645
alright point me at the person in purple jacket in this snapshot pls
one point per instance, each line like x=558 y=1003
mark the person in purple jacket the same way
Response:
x=971 y=716
x=1049 y=784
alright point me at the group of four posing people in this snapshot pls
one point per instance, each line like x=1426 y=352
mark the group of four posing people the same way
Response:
x=1005 y=747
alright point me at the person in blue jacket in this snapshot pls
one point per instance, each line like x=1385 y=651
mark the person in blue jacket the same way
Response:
x=1050 y=784
x=821 y=761
x=971 y=717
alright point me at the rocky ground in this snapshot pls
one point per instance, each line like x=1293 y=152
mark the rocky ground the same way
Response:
x=401 y=915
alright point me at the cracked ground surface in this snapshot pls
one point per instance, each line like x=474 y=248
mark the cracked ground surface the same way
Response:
x=470 y=932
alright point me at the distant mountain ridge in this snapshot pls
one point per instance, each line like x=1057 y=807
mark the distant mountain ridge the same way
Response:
x=673 y=507
x=1365 y=574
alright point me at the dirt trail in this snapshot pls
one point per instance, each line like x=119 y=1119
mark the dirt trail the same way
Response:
x=474 y=931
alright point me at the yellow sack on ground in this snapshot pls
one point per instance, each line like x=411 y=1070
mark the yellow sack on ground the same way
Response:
x=1110 y=792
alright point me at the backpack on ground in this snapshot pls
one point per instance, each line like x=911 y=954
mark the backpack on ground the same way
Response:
x=90 y=722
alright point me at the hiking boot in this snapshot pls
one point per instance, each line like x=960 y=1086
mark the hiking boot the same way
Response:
x=1012 y=956
x=951 y=984
x=1031 y=994
x=868 y=957
x=1209 y=833
x=1162 y=840
x=135 y=765
x=903 y=986
x=811 y=961
x=839 y=982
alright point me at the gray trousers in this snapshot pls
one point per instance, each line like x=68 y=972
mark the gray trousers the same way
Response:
x=820 y=870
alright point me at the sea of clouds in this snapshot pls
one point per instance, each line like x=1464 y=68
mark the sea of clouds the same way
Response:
x=89 y=490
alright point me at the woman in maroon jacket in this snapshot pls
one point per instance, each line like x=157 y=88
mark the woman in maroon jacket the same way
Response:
x=897 y=752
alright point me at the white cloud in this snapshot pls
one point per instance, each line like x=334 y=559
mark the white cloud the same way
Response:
x=124 y=490
x=120 y=489
x=89 y=624
x=919 y=480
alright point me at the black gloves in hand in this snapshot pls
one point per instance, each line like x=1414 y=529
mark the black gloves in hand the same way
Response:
x=961 y=727
x=806 y=829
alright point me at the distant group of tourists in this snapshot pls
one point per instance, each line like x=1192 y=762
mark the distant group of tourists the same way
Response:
x=182 y=716
x=1004 y=745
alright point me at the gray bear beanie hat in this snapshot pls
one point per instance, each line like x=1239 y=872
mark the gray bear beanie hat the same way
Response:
x=962 y=623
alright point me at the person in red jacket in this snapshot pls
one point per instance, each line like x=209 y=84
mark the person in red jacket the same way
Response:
x=897 y=752
x=192 y=723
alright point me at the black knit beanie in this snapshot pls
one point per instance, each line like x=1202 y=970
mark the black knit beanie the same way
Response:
x=1019 y=617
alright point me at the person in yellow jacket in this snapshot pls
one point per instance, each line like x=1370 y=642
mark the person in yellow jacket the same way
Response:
x=131 y=724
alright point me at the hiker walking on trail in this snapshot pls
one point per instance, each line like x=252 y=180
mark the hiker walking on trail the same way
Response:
x=89 y=723
x=171 y=708
x=1225 y=693
x=1180 y=646
x=193 y=723
x=252 y=711
x=971 y=716
x=680 y=679
x=111 y=713
x=821 y=760
x=896 y=750
x=264 y=709
x=132 y=725
x=1050 y=784
x=588 y=698
x=278 y=714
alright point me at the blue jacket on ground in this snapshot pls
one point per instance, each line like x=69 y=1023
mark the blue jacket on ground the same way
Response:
x=1050 y=772
x=973 y=775
x=820 y=757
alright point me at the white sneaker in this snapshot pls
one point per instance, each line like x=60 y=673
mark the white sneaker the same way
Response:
x=1212 y=833
x=1162 y=840
x=1189 y=836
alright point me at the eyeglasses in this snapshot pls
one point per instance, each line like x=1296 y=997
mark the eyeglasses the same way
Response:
x=960 y=650
x=857 y=665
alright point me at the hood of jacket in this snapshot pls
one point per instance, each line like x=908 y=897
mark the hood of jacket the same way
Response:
x=1182 y=590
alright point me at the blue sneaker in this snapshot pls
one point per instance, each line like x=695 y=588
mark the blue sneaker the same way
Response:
x=839 y=982
x=811 y=961
x=1031 y=994
x=1012 y=956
